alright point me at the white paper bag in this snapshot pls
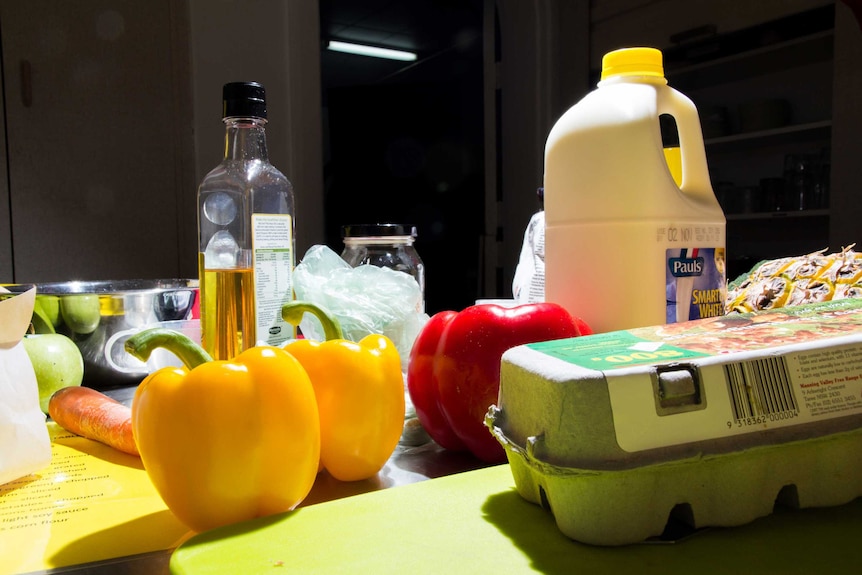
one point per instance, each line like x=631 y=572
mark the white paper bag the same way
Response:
x=24 y=443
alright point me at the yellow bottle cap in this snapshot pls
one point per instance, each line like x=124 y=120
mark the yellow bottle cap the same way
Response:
x=633 y=62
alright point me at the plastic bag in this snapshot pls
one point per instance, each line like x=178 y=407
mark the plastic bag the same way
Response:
x=528 y=285
x=366 y=299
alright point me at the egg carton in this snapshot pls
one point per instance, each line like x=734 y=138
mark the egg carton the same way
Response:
x=710 y=421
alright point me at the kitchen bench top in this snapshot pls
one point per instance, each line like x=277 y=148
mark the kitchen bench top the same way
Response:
x=94 y=511
x=469 y=516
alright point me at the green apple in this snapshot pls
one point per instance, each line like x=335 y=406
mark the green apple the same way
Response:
x=81 y=312
x=57 y=362
x=46 y=314
x=50 y=305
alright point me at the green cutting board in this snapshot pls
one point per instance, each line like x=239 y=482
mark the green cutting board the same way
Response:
x=475 y=522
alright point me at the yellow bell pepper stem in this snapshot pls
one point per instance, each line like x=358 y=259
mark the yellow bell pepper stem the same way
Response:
x=292 y=313
x=145 y=342
x=225 y=441
x=360 y=395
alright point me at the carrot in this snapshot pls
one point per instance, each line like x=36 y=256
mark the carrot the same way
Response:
x=92 y=414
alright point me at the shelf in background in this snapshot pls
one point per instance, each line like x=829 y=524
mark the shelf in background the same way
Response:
x=778 y=216
x=816 y=47
x=812 y=130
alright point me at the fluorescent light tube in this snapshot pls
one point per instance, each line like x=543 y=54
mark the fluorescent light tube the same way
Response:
x=374 y=51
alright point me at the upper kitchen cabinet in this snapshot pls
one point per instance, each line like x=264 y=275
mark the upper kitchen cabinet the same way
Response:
x=99 y=148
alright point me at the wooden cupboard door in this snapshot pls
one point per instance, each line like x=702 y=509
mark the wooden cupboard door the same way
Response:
x=98 y=136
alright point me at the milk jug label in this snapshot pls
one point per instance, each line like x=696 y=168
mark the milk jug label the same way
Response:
x=695 y=283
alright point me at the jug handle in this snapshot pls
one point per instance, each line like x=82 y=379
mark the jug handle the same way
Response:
x=692 y=149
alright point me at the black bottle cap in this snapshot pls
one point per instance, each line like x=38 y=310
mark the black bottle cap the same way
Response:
x=244 y=100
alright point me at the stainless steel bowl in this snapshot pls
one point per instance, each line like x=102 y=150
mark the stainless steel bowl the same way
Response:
x=99 y=316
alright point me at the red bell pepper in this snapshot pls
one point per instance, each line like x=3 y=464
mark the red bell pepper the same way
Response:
x=453 y=374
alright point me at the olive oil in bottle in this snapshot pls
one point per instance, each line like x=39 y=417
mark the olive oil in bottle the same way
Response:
x=246 y=234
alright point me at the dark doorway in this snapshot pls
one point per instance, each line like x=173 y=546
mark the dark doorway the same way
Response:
x=404 y=141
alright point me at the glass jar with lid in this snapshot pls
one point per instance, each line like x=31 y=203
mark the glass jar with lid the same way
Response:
x=384 y=245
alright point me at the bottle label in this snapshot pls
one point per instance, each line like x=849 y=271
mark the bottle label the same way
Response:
x=695 y=283
x=272 y=254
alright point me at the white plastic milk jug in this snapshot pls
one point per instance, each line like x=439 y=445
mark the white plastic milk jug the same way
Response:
x=625 y=246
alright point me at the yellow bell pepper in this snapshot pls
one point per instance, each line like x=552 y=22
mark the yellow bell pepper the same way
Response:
x=360 y=394
x=225 y=441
